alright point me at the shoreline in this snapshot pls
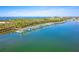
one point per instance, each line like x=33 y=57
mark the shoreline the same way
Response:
x=19 y=29
x=29 y=28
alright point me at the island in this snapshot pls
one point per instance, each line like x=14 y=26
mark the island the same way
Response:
x=20 y=24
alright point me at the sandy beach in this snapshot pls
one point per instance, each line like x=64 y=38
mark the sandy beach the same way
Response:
x=34 y=27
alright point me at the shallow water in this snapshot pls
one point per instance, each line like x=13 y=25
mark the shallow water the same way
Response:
x=59 y=37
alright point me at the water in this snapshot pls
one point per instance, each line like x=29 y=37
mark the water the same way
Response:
x=7 y=18
x=10 y=18
x=59 y=37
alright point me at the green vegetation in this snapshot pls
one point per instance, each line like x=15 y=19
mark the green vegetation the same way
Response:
x=14 y=24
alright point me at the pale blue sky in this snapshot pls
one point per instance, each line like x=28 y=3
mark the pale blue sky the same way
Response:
x=41 y=11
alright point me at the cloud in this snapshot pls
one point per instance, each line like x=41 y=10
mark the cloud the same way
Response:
x=43 y=11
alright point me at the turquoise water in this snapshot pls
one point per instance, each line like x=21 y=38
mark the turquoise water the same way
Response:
x=59 y=37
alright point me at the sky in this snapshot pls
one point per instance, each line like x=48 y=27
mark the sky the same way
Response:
x=41 y=11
